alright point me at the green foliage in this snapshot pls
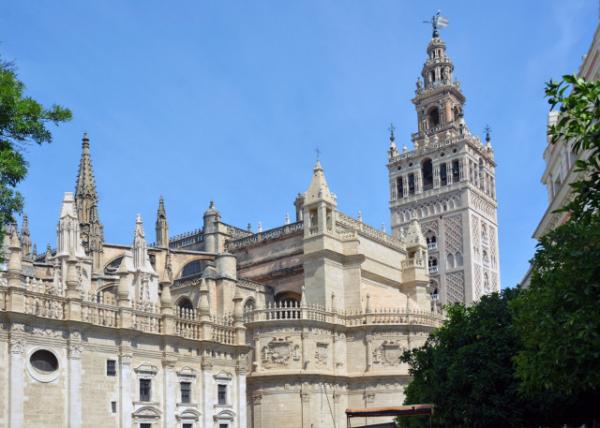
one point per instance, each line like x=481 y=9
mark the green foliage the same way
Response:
x=578 y=103
x=22 y=121
x=557 y=317
x=466 y=369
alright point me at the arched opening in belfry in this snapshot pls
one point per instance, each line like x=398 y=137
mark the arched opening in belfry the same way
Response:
x=427 y=173
x=434 y=117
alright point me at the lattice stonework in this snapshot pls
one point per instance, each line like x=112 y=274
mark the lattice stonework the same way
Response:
x=494 y=282
x=455 y=282
x=430 y=226
x=475 y=237
x=477 y=282
x=453 y=226
x=493 y=255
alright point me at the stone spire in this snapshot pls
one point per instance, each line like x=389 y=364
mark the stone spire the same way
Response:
x=318 y=189
x=162 y=227
x=25 y=237
x=86 y=199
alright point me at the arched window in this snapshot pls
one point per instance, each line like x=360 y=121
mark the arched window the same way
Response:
x=443 y=174
x=486 y=283
x=486 y=259
x=400 y=187
x=434 y=117
x=113 y=267
x=192 y=268
x=431 y=240
x=427 y=173
x=458 y=258
x=250 y=305
x=455 y=171
x=432 y=264
x=185 y=303
x=289 y=303
x=411 y=184
x=450 y=260
x=457 y=112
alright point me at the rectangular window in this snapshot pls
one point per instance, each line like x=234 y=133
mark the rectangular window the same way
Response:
x=145 y=391
x=443 y=175
x=222 y=394
x=111 y=368
x=186 y=425
x=113 y=406
x=455 y=171
x=223 y=426
x=400 y=187
x=145 y=425
x=411 y=184
x=186 y=392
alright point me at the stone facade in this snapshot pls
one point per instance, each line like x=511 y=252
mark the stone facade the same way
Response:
x=447 y=182
x=221 y=327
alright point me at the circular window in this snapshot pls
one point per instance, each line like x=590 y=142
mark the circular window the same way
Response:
x=44 y=361
x=43 y=365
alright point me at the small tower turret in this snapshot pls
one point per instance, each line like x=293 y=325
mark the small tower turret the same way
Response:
x=86 y=199
x=319 y=204
x=212 y=217
x=162 y=227
x=25 y=238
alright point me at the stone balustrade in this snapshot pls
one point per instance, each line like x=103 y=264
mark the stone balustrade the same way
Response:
x=286 y=311
x=348 y=222
x=278 y=232
x=101 y=310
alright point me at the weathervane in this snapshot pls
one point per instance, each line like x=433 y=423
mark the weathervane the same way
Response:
x=392 y=128
x=318 y=152
x=437 y=21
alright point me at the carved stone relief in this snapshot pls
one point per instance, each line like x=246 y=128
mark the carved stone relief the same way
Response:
x=388 y=353
x=321 y=354
x=279 y=351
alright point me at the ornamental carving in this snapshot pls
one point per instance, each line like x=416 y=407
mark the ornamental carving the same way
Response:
x=388 y=353
x=279 y=351
x=321 y=354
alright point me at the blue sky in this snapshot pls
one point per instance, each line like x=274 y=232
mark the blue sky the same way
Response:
x=229 y=99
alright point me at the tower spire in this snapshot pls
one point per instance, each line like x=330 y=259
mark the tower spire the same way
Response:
x=86 y=200
x=438 y=99
x=162 y=227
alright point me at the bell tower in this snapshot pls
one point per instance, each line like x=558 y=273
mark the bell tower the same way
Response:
x=447 y=183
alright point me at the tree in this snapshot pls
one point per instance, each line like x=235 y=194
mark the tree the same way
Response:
x=22 y=121
x=557 y=317
x=466 y=368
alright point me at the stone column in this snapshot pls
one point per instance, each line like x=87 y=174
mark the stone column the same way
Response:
x=449 y=172
x=16 y=375
x=418 y=181
x=305 y=402
x=125 y=394
x=208 y=394
x=368 y=347
x=241 y=394
x=170 y=392
x=257 y=410
x=436 y=175
x=74 y=364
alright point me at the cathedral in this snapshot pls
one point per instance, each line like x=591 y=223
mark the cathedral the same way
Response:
x=225 y=328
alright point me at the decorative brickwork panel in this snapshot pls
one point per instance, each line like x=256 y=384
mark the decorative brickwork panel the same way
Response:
x=454 y=234
x=455 y=282
x=475 y=238
x=493 y=247
x=477 y=282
